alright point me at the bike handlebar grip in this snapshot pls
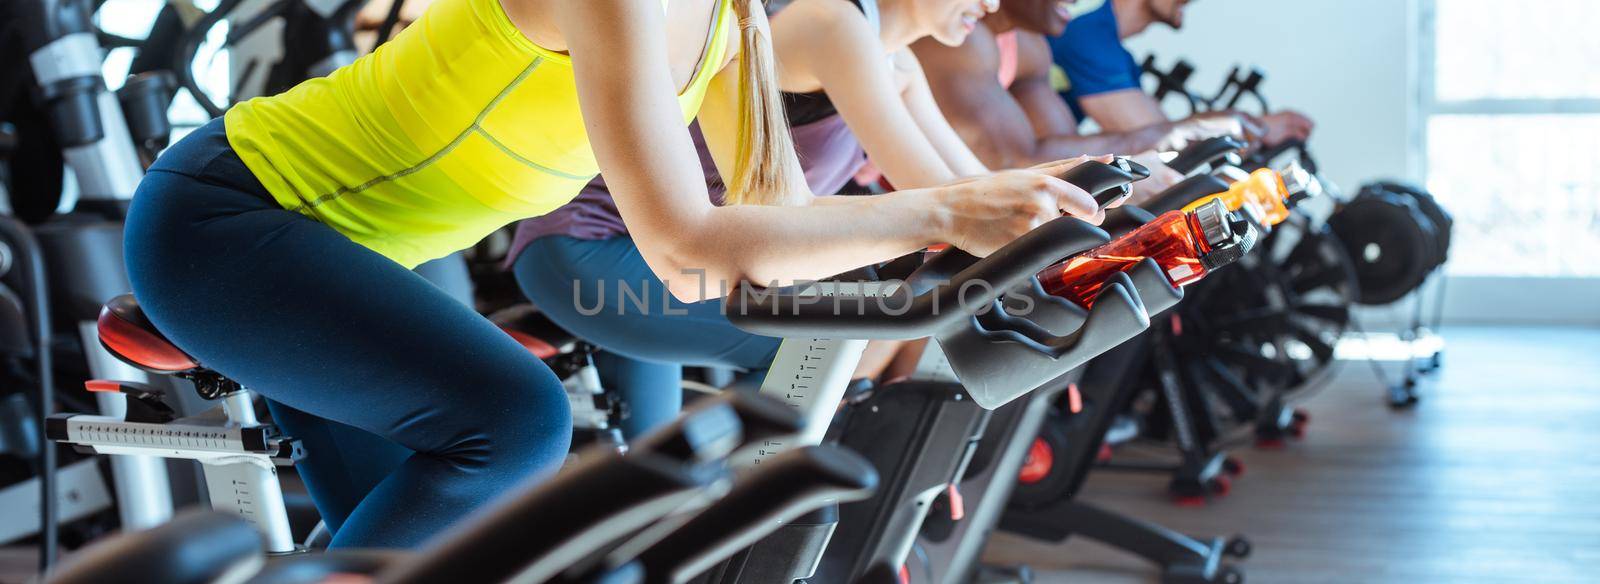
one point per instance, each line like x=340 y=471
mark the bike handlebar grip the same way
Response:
x=947 y=288
x=782 y=488
x=1207 y=151
x=1185 y=192
x=764 y=419
x=584 y=511
x=710 y=430
x=1265 y=156
x=1126 y=218
x=195 y=547
x=1105 y=182
x=1007 y=355
x=328 y=565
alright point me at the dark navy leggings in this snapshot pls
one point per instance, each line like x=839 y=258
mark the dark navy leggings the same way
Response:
x=603 y=291
x=414 y=410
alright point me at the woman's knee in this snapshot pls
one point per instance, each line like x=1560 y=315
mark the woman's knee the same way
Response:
x=515 y=419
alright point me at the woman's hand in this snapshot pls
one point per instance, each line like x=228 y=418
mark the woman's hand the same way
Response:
x=1285 y=125
x=984 y=213
x=1209 y=125
x=1161 y=178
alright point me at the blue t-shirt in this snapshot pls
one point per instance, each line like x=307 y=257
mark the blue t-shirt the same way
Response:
x=1091 y=57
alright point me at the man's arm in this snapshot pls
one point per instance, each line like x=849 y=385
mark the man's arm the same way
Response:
x=965 y=83
x=1051 y=118
x=919 y=101
x=1123 y=110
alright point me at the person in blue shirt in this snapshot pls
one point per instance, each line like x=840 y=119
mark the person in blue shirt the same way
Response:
x=1101 y=79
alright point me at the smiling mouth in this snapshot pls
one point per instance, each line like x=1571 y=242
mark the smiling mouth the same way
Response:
x=1064 y=9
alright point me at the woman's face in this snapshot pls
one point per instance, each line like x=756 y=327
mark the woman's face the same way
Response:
x=950 y=21
x=1046 y=17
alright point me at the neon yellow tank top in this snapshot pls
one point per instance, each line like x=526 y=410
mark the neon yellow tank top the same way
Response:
x=456 y=127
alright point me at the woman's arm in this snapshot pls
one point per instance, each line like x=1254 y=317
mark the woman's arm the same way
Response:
x=635 y=128
x=919 y=101
x=831 y=43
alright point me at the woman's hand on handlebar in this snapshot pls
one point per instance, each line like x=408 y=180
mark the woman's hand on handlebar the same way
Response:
x=1161 y=177
x=1285 y=125
x=984 y=213
x=1211 y=124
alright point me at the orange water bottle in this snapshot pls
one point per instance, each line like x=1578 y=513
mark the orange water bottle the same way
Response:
x=1185 y=244
x=1261 y=194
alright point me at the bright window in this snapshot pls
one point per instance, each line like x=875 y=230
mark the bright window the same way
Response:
x=1511 y=102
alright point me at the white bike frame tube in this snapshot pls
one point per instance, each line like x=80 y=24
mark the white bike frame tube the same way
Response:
x=144 y=492
x=249 y=486
x=811 y=374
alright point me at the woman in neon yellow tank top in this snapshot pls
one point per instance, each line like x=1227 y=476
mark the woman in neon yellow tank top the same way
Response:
x=274 y=245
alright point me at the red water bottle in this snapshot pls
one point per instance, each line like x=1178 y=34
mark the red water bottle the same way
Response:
x=1186 y=245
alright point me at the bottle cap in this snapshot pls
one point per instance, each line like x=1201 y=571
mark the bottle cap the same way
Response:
x=1300 y=184
x=1228 y=235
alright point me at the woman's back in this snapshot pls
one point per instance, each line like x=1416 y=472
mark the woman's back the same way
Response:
x=456 y=127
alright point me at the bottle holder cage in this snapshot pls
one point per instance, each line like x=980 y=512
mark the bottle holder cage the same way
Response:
x=959 y=300
x=1001 y=356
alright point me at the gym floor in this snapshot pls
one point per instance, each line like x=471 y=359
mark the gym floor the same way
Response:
x=1493 y=477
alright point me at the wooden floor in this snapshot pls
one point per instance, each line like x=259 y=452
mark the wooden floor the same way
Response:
x=1493 y=477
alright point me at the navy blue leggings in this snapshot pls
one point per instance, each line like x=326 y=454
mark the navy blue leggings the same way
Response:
x=603 y=291
x=414 y=409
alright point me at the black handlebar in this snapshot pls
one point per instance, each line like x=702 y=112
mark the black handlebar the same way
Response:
x=948 y=288
x=1204 y=152
x=1107 y=183
x=194 y=548
x=782 y=488
x=1185 y=192
x=1264 y=157
x=673 y=470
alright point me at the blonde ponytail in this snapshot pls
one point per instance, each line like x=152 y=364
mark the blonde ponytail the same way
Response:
x=762 y=172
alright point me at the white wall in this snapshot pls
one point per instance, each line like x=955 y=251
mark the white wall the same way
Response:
x=1349 y=64
x=1345 y=63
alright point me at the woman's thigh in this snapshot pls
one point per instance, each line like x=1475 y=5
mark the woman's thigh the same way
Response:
x=296 y=311
x=603 y=291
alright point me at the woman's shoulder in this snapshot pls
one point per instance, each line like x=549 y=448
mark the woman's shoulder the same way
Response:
x=828 y=12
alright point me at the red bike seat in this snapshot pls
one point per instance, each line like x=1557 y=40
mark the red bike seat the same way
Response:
x=131 y=337
x=535 y=345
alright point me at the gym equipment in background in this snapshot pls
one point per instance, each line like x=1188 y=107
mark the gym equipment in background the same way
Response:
x=1399 y=237
x=83 y=248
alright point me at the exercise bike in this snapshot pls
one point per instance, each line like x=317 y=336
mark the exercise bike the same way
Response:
x=953 y=297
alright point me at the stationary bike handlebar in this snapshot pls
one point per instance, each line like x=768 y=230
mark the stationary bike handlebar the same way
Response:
x=998 y=354
x=947 y=288
x=1208 y=151
x=782 y=488
x=602 y=501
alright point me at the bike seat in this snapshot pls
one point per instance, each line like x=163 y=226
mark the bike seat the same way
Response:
x=130 y=336
x=539 y=347
x=540 y=335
